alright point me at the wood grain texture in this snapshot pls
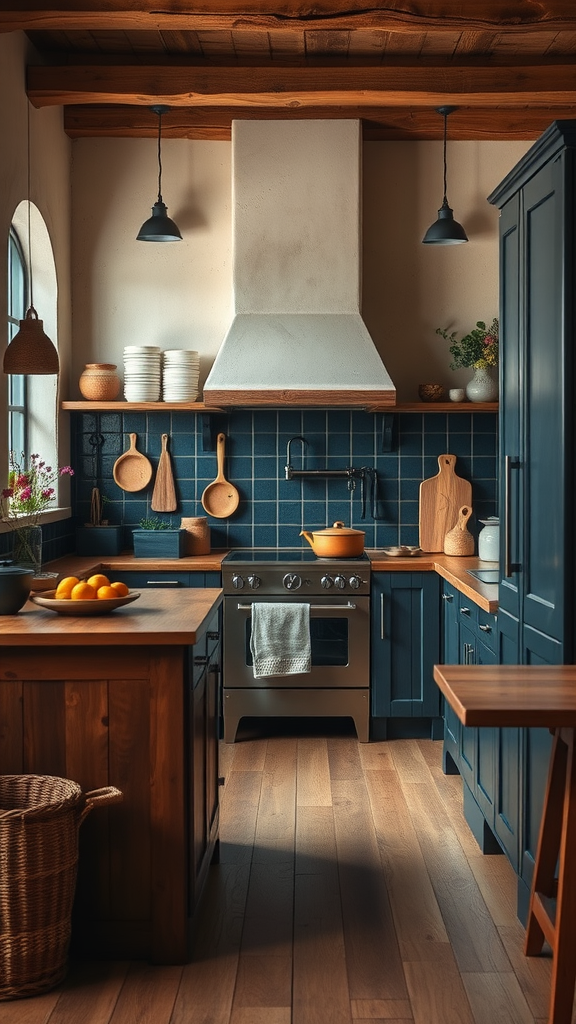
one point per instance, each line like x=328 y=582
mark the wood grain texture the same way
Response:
x=510 y=695
x=385 y=830
x=441 y=497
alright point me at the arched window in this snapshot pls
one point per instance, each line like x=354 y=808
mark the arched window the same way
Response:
x=17 y=301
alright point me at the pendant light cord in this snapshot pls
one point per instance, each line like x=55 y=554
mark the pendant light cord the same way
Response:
x=30 y=287
x=445 y=199
x=159 y=157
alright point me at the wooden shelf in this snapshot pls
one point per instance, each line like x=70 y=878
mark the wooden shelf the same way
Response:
x=83 y=406
x=437 y=407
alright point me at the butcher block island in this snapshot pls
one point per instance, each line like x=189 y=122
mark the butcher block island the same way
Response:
x=128 y=699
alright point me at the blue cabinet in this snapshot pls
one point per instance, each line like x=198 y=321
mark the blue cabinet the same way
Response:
x=405 y=646
x=537 y=481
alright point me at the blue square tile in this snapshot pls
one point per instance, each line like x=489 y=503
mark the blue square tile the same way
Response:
x=339 y=511
x=410 y=422
x=411 y=444
x=409 y=535
x=265 y=536
x=110 y=423
x=159 y=423
x=290 y=512
x=485 y=423
x=290 y=421
x=485 y=444
x=339 y=445
x=409 y=513
x=288 y=537
x=265 y=513
x=265 y=421
x=239 y=422
x=314 y=514
x=134 y=422
x=411 y=467
x=88 y=423
x=339 y=421
x=435 y=444
x=238 y=468
x=362 y=422
x=314 y=421
x=387 y=535
x=266 y=468
x=239 y=445
x=362 y=448
x=484 y=467
x=186 y=423
x=435 y=423
x=460 y=444
x=460 y=423
x=265 y=490
x=265 y=444
x=239 y=536
x=409 y=490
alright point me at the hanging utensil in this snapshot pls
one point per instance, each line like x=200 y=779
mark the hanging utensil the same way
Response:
x=132 y=471
x=220 y=499
x=164 y=494
x=374 y=498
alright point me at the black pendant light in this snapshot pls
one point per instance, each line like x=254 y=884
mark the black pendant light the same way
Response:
x=445 y=230
x=30 y=351
x=159 y=227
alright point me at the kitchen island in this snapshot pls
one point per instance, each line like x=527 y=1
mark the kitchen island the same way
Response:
x=128 y=699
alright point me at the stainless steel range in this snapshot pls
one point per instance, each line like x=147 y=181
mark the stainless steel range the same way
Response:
x=338 y=593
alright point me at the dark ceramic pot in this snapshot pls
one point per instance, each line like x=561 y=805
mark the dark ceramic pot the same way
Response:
x=15 y=584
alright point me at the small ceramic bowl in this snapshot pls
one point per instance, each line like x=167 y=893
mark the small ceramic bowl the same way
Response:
x=457 y=394
x=431 y=392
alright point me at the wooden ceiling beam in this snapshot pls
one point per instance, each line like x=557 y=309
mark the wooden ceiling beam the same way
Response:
x=271 y=15
x=379 y=124
x=347 y=87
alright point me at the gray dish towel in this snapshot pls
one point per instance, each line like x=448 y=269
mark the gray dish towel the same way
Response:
x=280 y=639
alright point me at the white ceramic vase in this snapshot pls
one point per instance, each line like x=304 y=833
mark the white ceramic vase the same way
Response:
x=483 y=387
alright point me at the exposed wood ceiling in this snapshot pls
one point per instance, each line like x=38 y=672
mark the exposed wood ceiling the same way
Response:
x=508 y=67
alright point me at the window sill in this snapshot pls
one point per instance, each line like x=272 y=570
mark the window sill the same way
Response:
x=54 y=515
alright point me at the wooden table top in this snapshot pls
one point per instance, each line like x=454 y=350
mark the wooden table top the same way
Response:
x=510 y=695
x=157 y=617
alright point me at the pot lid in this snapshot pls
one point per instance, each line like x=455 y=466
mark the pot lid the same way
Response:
x=338 y=530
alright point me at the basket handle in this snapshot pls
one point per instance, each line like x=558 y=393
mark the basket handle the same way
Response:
x=99 y=798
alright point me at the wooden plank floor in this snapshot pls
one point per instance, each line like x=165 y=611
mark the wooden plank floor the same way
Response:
x=349 y=891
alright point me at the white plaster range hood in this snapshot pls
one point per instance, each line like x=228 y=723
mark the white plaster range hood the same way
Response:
x=297 y=336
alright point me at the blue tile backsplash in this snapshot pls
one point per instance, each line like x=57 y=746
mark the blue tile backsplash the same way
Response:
x=273 y=510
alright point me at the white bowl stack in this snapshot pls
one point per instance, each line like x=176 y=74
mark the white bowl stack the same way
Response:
x=180 y=373
x=142 y=373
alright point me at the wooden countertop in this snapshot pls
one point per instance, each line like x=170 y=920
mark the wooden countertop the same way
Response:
x=452 y=568
x=158 y=617
x=510 y=695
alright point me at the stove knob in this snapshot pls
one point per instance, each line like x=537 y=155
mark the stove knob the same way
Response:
x=355 y=582
x=237 y=581
x=292 y=581
x=326 y=582
x=254 y=582
x=340 y=582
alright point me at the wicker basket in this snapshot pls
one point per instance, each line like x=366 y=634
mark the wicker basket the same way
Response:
x=39 y=820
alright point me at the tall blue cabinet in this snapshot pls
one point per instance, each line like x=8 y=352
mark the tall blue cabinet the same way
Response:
x=537 y=200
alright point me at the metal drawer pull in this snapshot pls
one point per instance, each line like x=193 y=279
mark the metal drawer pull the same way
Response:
x=485 y=629
x=213 y=636
x=163 y=583
x=382 y=636
x=447 y=597
x=201 y=659
x=465 y=611
x=313 y=607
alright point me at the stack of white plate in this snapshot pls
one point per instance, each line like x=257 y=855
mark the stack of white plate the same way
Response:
x=142 y=373
x=180 y=372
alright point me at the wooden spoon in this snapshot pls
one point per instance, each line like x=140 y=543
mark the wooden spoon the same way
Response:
x=220 y=499
x=132 y=471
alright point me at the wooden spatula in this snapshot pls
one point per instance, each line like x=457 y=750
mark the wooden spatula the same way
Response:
x=164 y=494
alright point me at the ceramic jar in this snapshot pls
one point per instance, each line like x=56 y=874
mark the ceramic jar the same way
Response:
x=197 y=540
x=99 y=382
x=489 y=540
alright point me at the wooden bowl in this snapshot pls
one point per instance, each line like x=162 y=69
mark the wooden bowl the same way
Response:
x=431 y=392
x=80 y=608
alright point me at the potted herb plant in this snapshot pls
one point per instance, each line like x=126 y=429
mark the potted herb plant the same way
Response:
x=156 y=538
x=479 y=350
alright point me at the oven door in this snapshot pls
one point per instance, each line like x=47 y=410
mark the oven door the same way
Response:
x=339 y=636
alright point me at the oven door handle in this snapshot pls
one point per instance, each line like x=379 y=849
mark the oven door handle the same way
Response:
x=313 y=607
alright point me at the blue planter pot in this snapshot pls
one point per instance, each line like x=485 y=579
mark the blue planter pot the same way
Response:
x=159 y=543
x=99 y=540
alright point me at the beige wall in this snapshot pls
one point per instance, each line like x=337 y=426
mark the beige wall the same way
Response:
x=49 y=191
x=179 y=294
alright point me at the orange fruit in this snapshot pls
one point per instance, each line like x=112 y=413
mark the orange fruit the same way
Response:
x=120 y=589
x=98 y=580
x=83 y=592
x=64 y=588
x=106 y=593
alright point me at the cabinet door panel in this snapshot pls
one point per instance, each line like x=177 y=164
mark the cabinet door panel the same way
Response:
x=543 y=483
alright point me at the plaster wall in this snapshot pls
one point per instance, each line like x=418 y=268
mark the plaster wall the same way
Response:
x=180 y=294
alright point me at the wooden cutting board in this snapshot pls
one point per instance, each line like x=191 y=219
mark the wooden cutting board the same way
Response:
x=164 y=495
x=441 y=497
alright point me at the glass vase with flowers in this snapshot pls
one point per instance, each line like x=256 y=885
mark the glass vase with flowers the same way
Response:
x=30 y=492
x=479 y=350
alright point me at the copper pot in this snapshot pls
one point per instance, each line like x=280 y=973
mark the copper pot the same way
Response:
x=336 y=541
